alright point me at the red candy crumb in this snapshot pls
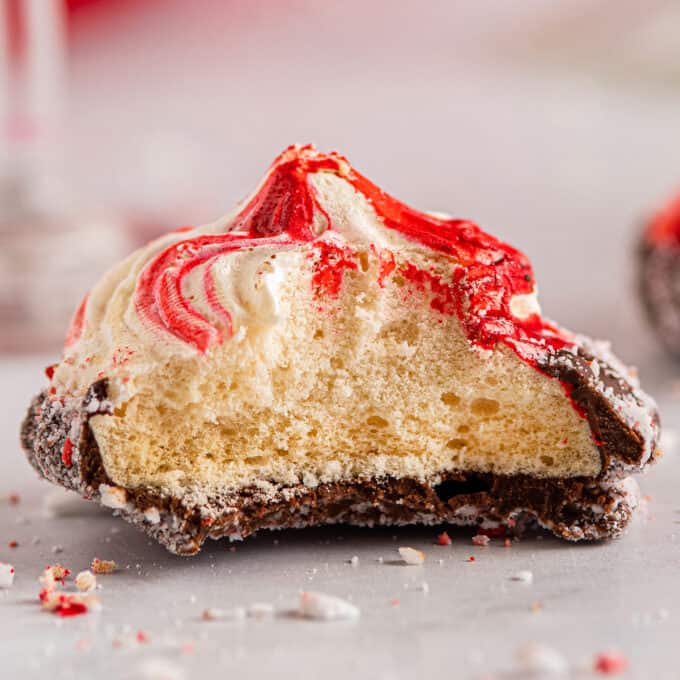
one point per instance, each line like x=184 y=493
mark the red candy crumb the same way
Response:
x=507 y=543
x=443 y=539
x=471 y=558
x=142 y=637
x=49 y=371
x=13 y=544
x=14 y=499
x=610 y=663
x=67 y=453
x=70 y=605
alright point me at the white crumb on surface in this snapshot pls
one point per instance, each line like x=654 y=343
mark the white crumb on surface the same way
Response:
x=480 y=539
x=6 y=575
x=525 y=576
x=411 y=556
x=86 y=581
x=354 y=561
x=541 y=661
x=324 y=607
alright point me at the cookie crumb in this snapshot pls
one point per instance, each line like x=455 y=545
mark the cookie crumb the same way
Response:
x=103 y=566
x=610 y=663
x=412 y=556
x=322 y=607
x=443 y=539
x=86 y=581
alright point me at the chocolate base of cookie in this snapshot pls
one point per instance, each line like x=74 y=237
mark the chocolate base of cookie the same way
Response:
x=659 y=290
x=573 y=508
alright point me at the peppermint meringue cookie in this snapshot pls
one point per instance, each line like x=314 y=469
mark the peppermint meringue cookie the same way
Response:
x=328 y=354
x=659 y=274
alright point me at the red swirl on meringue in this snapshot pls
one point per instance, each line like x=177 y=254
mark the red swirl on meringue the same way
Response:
x=286 y=212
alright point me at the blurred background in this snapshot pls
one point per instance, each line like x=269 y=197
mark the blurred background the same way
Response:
x=554 y=125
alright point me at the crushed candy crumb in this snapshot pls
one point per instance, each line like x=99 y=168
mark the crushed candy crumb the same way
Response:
x=103 y=566
x=480 y=539
x=525 y=576
x=443 y=539
x=412 y=556
x=354 y=561
x=324 y=607
x=6 y=575
x=86 y=581
x=610 y=663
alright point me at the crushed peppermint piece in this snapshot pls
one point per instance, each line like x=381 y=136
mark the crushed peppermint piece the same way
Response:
x=6 y=575
x=53 y=573
x=13 y=544
x=480 y=539
x=152 y=515
x=261 y=610
x=538 y=659
x=324 y=607
x=507 y=543
x=471 y=558
x=411 y=556
x=443 y=539
x=525 y=576
x=113 y=496
x=57 y=549
x=354 y=561
x=142 y=637
x=67 y=453
x=103 y=566
x=610 y=663
x=14 y=499
x=536 y=606
x=380 y=560
x=86 y=581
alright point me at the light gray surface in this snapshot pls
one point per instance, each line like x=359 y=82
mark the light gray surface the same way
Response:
x=622 y=594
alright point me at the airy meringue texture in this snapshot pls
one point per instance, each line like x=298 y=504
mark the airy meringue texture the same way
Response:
x=321 y=332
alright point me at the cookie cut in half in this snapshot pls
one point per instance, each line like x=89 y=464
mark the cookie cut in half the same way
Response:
x=328 y=354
